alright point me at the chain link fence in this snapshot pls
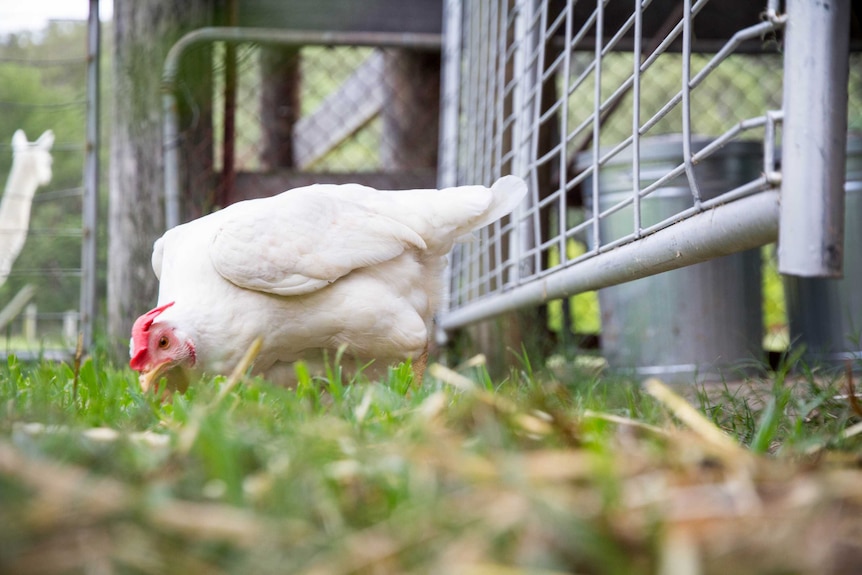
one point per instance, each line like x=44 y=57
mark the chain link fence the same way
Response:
x=265 y=117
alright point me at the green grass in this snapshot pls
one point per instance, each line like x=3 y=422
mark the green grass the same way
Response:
x=537 y=473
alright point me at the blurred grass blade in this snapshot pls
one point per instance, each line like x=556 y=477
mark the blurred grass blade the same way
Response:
x=767 y=425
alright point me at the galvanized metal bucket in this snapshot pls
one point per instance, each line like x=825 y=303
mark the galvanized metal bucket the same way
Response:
x=826 y=314
x=703 y=321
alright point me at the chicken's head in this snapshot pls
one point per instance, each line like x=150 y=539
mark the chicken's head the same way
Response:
x=158 y=347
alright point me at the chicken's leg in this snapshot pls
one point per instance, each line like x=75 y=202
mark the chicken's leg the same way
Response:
x=419 y=367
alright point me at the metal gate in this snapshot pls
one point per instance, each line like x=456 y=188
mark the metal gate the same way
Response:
x=563 y=93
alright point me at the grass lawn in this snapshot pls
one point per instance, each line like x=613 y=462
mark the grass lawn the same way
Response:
x=563 y=472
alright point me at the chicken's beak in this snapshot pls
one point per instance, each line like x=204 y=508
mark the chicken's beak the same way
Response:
x=176 y=379
x=149 y=380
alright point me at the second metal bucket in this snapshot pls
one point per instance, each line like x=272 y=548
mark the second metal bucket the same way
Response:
x=700 y=321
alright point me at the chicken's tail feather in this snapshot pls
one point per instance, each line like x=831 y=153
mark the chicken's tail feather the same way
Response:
x=507 y=193
x=457 y=212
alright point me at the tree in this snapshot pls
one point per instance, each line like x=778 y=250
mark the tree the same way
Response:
x=144 y=31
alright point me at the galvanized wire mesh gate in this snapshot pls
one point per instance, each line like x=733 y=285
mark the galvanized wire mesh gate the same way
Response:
x=576 y=97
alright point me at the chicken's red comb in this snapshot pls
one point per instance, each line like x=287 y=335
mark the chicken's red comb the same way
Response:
x=139 y=335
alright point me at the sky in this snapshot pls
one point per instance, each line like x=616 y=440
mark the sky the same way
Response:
x=20 y=15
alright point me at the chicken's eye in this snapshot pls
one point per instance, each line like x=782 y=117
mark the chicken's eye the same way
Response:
x=163 y=342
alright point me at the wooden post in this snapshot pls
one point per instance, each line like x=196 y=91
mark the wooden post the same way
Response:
x=199 y=191
x=144 y=31
x=411 y=115
x=228 y=175
x=279 y=105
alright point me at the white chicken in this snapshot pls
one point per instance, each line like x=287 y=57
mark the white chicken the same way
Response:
x=309 y=270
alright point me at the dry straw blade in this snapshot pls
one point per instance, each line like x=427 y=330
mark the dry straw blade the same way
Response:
x=691 y=417
x=240 y=369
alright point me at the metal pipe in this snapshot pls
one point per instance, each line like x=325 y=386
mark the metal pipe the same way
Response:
x=170 y=147
x=519 y=239
x=597 y=124
x=293 y=38
x=686 y=102
x=447 y=170
x=90 y=198
x=814 y=138
x=746 y=223
x=262 y=36
x=636 y=118
x=560 y=148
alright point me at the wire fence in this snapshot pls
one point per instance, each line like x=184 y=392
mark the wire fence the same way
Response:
x=41 y=299
x=47 y=320
x=650 y=138
x=333 y=107
x=266 y=116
